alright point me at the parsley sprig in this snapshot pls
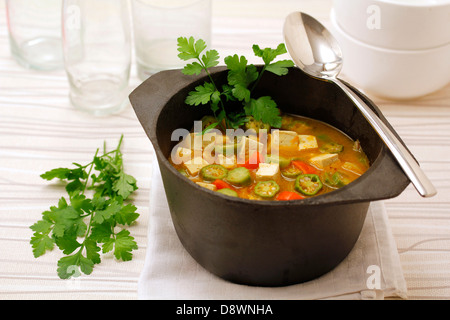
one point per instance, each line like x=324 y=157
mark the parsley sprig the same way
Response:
x=242 y=80
x=82 y=226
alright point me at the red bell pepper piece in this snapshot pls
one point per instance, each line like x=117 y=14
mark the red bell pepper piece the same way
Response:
x=253 y=161
x=306 y=168
x=220 y=184
x=288 y=195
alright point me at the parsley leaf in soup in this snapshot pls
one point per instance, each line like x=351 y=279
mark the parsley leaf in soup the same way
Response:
x=242 y=80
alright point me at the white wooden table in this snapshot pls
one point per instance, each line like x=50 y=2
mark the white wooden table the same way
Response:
x=40 y=130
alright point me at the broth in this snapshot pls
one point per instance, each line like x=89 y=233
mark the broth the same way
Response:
x=302 y=159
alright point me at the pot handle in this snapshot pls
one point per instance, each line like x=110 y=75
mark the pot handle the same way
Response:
x=390 y=180
x=149 y=98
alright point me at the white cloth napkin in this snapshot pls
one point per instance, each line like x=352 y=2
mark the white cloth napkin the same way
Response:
x=372 y=270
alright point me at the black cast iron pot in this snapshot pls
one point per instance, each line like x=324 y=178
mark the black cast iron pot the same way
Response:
x=267 y=243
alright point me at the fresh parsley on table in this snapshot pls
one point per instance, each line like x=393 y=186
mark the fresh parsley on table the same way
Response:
x=82 y=226
x=242 y=80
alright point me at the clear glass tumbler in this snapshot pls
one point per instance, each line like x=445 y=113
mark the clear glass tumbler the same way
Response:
x=97 y=53
x=35 y=33
x=157 y=26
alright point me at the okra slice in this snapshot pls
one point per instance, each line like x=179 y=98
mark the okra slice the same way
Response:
x=239 y=176
x=336 y=180
x=255 y=125
x=282 y=161
x=213 y=172
x=291 y=171
x=332 y=147
x=228 y=192
x=267 y=189
x=208 y=121
x=183 y=172
x=308 y=184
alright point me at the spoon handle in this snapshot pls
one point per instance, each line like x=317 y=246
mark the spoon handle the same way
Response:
x=410 y=166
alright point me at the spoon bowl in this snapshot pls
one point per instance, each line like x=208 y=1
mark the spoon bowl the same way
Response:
x=312 y=47
x=315 y=51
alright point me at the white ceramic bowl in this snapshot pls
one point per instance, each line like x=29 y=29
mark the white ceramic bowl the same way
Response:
x=393 y=74
x=396 y=24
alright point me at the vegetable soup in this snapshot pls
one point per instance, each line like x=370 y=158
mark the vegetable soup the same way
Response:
x=302 y=159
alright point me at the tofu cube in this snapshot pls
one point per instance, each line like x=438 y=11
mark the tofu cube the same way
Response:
x=307 y=142
x=324 y=160
x=254 y=145
x=288 y=138
x=227 y=162
x=193 y=141
x=184 y=153
x=267 y=170
x=208 y=138
x=247 y=147
x=180 y=155
x=285 y=139
x=241 y=151
x=208 y=153
x=195 y=165
x=207 y=186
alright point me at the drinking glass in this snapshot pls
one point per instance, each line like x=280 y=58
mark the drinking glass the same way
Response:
x=157 y=26
x=35 y=33
x=97 y=53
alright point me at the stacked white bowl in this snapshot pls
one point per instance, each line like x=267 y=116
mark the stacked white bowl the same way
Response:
x=397 y=49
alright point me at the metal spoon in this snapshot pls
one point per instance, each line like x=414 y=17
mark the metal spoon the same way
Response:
x=316 y=52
